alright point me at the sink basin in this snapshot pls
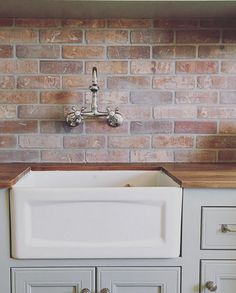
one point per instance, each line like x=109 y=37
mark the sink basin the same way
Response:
x=95 y=214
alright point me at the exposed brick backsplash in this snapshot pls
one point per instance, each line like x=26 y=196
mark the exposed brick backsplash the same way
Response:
x=174 y=81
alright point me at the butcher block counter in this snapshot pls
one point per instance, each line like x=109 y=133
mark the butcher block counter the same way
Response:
x=188 y=175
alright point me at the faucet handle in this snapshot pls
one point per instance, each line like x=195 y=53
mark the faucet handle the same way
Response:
x=74 y=117
x=114 y=118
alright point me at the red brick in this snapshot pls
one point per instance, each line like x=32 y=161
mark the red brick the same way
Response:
x=216 y=142
x=229 y=36
x=40 y=112
x=227 y=156
x=18 y=66
x=151 y=67
x=133 y=112
x=61 y=35
x=222 y=51
x=83 y=52
x=150 y=127
x=61 y=67
x=218 y=22
x=201 y=127
x=40 y=141
x=145 y=156
x=79 y=81
x=128 y=82
x=183 y=52
x=59 y=127
x=19 y=156
x=197 y=67
x=174 y=112
x=216 y=82
x=108 y=67
x=151 y=97
x=7 y=111
x=38 y=82
x=228 y=97
x=217 y=112
x=129 y=142
x=151 y=36
x=61 y=97
x=128 y=52
x=106 y=36
x=84 y=142
x=190 y=97
x=197 y=36
x=129 y=23
x=195 y=156
x=62 y=156
x=18 y=97
x=37 y=22
x=227 y=127
x=228 y=67
x=84 y=23
x=38 y=51
x=174 y=82
x=7 y=82
x=170 y=141
x=6 y=51
x=101 y=127
x=9 y=36
x=7 y=141
x=6 y=22
x=175 y=23
x=109 y=97
x=112 y=156
x=18 y=126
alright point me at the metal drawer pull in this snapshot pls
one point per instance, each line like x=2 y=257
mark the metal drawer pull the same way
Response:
x=105 y=290
x=85 y=290
x=225 y=229
x=211 y=286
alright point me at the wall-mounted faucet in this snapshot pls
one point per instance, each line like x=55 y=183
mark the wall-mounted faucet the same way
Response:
x=76 y=116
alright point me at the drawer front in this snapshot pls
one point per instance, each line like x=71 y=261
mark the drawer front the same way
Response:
x=218 y=228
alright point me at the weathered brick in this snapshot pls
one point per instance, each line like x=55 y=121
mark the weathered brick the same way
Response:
x=197 y=67
x=228 y=67
x=109 y=97
x=84 y=142
x=218 y=22
x=217 y=112
x=40 y=141
x=9 y=36
x=229 y=36
x=108 y=67
x=133 y=112
x=195 y=156
x=201 y=127
x=216 y=82
x=151 y=67
x=170 y=141
x=175 y=112
x=40 y=112
x=197 y=36
x=151 y=156
x=37 y=22
x=8 y=156
x=227 y=127
x=140 y=141
x=18 y=97
x=227 y=156
x=150 y=127
x=216 y=142
x=38 y=82
x=18 y=66
x=111 y=156
x=222 y=51
x=7 y=111
x=59 y=127
x=175 y=23
x=100 y=127
x=62 y=156
x=126 y=82
x=79 y=81
x=228 y=97
x=83 y=52
x=61 y=67
x=61 y=35
x=8 y=141
x=129 y=23
x=174 y=82
x=190 y=97
x=38 y=51
x=18 y=126
x=128 y=52
x=6 y=51
x=7 y=82
x=106 y=36
x=151 y=97
x=152 y=36
x=170 y=52
x=61 y=97
x=84 y=23
x=6 y=22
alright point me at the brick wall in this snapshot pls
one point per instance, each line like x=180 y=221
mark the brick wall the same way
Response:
x=173 y=80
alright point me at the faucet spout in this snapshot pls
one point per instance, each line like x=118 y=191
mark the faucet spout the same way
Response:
x=94 y=76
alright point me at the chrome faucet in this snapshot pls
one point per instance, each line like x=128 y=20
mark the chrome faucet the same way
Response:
x=76 y=116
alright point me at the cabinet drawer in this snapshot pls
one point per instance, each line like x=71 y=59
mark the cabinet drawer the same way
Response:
x=218 y=228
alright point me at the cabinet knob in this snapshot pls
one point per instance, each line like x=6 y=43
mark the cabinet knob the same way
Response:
x=105 y=290
x=85 y=290
x=211 y=286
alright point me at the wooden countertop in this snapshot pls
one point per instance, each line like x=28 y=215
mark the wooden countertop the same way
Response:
x=186 y=174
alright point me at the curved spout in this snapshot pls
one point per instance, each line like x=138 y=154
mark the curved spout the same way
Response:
x=94 y=76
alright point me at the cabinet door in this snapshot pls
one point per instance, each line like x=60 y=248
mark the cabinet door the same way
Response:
x=139 y=280
x=219 y=276
x=52 y=280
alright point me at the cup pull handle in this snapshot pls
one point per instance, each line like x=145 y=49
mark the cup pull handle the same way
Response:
x=224 y=229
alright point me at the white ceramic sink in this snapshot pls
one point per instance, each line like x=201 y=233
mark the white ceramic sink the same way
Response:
x=95 y=214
